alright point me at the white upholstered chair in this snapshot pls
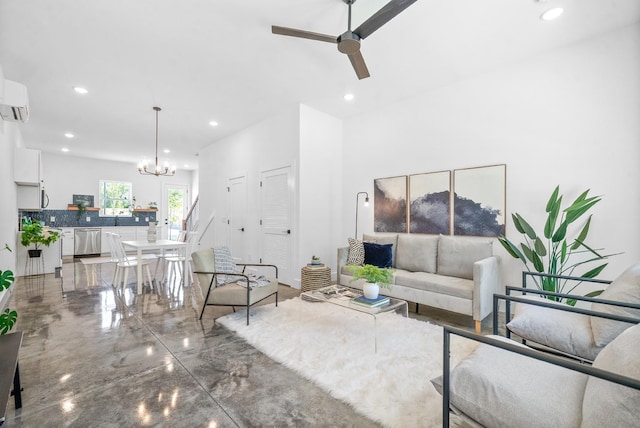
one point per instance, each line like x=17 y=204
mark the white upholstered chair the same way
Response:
x=220 y=282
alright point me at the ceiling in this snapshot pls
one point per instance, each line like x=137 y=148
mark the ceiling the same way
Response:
x=217 y=60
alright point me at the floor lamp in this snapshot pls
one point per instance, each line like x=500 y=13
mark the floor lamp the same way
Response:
x=366 y=204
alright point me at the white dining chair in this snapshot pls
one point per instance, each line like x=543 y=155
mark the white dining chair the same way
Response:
x=125 y=263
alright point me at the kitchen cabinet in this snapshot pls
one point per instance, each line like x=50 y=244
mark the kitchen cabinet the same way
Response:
x=27 y=169
x=67 y=241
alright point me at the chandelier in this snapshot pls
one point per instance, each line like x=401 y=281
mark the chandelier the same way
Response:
x=157 y=169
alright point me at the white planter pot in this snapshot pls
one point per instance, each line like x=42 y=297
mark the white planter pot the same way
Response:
x=370 y=290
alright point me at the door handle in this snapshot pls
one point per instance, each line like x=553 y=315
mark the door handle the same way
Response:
x=241 y=229
x=288 y=231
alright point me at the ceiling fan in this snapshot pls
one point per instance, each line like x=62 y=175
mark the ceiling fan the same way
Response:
x=349 y=41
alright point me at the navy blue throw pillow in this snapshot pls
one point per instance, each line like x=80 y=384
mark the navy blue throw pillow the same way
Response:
x=378 y=254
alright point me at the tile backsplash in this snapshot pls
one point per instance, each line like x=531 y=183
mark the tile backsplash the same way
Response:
x=70 y=218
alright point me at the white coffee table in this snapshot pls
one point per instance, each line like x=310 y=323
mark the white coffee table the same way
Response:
x=342 y=296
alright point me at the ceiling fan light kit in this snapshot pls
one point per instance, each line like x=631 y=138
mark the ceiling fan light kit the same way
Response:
x=349 y=42
x=157 y=170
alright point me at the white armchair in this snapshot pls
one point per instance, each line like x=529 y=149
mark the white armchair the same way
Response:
x=572 y=331
x=506 y=384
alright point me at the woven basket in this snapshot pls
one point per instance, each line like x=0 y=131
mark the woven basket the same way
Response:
x=315 y=277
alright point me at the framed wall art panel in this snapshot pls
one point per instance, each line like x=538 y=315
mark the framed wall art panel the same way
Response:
x=479 y=201
x=390 y=204
x=430 y=203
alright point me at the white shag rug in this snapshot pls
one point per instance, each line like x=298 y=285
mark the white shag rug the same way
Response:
x=335 y=348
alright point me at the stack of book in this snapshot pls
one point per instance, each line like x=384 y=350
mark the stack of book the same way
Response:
x=378 y=302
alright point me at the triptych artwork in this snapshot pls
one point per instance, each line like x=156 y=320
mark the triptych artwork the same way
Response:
x=424 y=203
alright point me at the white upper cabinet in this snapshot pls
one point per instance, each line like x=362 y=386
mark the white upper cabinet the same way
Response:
x=27 y=167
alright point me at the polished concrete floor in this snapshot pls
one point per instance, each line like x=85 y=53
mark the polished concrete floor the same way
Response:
x=93 y=357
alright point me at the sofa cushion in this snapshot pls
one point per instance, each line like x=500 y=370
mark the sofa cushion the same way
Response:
x=417 y=253
x=384 y=238
x=378 y=254
x=498 y=388
x=565 y=331
x=456 y=255
x=625 y=288
x=446 y=285
x=607 y=404
x=356 y=252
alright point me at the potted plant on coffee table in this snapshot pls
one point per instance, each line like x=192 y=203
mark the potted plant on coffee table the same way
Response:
x=36 y=234
x=374 y=276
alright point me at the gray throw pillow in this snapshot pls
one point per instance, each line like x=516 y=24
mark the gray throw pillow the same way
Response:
x=607 y=404
x=417 y=253
x=456 y=255
x=625 y=288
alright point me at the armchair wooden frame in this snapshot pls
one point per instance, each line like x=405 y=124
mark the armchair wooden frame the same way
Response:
x=243 y=277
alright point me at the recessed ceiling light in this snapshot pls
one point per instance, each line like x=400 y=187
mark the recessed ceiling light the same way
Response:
x=69 y=135
x=213 y=123
x=64 y=149
x=80 y=90
x=348 y=97
x=167 y=151
x=552 y=14
x=186 y=166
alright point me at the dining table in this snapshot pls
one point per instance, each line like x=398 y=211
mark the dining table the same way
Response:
x=162 y=245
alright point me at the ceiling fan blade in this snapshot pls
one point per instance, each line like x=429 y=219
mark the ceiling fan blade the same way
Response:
x=381 y=17
x=284 y=31
x=357 y=61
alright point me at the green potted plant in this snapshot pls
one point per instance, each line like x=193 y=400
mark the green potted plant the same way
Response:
x=8 y=318
x=34 y=233
x=374 y=276
x=551 y=252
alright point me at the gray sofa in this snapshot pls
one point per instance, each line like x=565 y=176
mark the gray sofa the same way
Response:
x=458 y=274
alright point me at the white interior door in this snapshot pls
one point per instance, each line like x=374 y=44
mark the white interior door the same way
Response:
x=175 y=203
x=277 y=220
x=237 y=217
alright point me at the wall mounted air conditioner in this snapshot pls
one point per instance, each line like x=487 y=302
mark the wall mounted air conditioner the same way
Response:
x=14 y=102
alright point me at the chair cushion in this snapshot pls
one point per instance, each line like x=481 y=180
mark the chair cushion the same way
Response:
x=417 y=253
x=356 y=252
x=498 y=388
x=607 y=404
x=565 y=331
x=625 y=288
x=224 y=263
x=456 y=255
x=378 y=254
x=233 y=294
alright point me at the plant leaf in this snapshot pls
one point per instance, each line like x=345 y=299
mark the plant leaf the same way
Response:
x=516 y=223
x=561 y=233
x=511 y=248
x=563 y=252
x=595 y=271
x=6 y=279
x=7 y=320
x=552 y=218
x=553 y=199
x=595 y=293
x=533 y=257
x=582 y=235
x=526 y=227
x=539 y=247
x=579 y=208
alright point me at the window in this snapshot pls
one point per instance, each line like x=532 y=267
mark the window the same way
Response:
x=115 y=198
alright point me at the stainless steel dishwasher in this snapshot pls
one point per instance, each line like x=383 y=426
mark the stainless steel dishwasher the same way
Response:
x=86 y=242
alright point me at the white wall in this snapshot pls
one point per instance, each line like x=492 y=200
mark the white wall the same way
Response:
x=270 y=144
x=569 y=117
x=320 y=184
x=10 y=138
x=65 y=176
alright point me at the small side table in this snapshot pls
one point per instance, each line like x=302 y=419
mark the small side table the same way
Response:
x=314 y=277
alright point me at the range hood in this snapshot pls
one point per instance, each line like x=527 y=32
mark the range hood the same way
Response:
x=14 y=102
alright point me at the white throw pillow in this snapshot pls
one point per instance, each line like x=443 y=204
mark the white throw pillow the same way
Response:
x=607 y=404
x=625 y=288
x=498 y=388
x=565 y=331
x=356 y=252
x=224 y=263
